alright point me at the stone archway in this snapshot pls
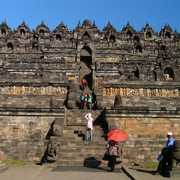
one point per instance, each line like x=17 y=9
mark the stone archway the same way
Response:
x=168 y=73
x=85 y=65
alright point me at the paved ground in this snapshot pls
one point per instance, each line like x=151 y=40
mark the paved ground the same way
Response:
x=146 y=174
x=38 y=172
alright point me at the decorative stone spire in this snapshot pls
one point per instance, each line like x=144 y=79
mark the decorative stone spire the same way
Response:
x=61 y=27
x=42 y=25
x=4 y=25
x=86 y=23
x=109 y=28
x=24 y=26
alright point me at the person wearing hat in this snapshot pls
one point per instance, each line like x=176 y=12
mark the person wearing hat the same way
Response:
x=166 y=161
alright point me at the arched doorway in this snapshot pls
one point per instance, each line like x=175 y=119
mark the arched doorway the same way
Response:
x=85 y=65
x=168 y=73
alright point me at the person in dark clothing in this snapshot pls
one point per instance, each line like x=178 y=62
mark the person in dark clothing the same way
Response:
x=82 y=100
x=165 y=162
x=113 y=152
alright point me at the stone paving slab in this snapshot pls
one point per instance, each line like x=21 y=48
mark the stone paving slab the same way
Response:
x=141 y=174
x=3 y=167
x=44 y=172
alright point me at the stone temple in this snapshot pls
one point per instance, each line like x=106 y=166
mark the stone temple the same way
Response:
x=134 y=77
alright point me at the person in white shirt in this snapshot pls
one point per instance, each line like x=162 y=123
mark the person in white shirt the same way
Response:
x=89 y=126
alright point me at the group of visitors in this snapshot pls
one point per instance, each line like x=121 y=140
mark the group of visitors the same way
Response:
x=88 y=100
x=85 y=101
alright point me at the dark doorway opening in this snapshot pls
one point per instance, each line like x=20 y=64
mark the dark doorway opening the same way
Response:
x=85 y=71
x=85 y=64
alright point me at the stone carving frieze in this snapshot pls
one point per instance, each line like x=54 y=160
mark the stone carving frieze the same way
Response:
x=24 y=90
x=141 y=92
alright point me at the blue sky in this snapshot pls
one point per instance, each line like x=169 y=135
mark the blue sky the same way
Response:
x=118 y=12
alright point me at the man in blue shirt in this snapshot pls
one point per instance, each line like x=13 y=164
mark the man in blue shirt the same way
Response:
x=166 y=162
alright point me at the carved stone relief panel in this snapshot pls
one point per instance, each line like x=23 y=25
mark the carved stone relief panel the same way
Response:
x=141 y=92
x=24 y=90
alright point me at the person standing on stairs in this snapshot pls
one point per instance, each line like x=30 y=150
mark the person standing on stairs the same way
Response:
x=89 y=101
x=84 y=83
x=82 y=100
x=86 y=102
x=89 y=126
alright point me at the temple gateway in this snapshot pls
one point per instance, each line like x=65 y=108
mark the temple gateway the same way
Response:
x=133 y=77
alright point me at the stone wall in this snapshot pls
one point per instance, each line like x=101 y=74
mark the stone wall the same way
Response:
x=24 y=137
x=155 y=95
x=141 y=152
x=146 y=129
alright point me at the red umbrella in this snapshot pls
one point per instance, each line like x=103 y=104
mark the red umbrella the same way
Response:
x=117 y=135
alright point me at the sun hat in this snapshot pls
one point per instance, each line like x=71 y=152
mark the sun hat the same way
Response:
x=170 y=133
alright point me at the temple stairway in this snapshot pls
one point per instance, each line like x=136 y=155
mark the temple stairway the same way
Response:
x=85 y=72
x=73 y=149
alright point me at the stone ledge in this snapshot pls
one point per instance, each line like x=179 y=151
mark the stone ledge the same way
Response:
x=3 y=167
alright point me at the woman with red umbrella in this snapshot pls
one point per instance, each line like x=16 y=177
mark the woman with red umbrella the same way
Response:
x=113 y=152
x=114 y=137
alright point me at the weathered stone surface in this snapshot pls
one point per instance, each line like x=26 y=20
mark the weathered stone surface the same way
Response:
x=41 y=72
x=2 y=156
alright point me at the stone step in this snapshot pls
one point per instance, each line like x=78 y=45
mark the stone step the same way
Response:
x=75 y=111
x=3 y=167
x=79 y=132
x=81 y=148
x=82 y=138
x=73 y=149
x=96 y=136
x=77 y=117
x=80 y=152
x=72 y=143
x=88 y=162
x=80 y=155
x=81 y=128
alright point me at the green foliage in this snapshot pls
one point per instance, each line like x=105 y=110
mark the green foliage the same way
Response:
x=151 y=165
x=14 y=162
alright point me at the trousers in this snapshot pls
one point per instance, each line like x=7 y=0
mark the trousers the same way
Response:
x=88 y=134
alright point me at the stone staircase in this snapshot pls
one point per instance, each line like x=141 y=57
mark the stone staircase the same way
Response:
x=73 y=149
x=85 y=73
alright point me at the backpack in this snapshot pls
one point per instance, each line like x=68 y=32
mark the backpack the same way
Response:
x=113 y=150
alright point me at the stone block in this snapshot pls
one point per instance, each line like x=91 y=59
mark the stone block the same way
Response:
x=2 y=156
